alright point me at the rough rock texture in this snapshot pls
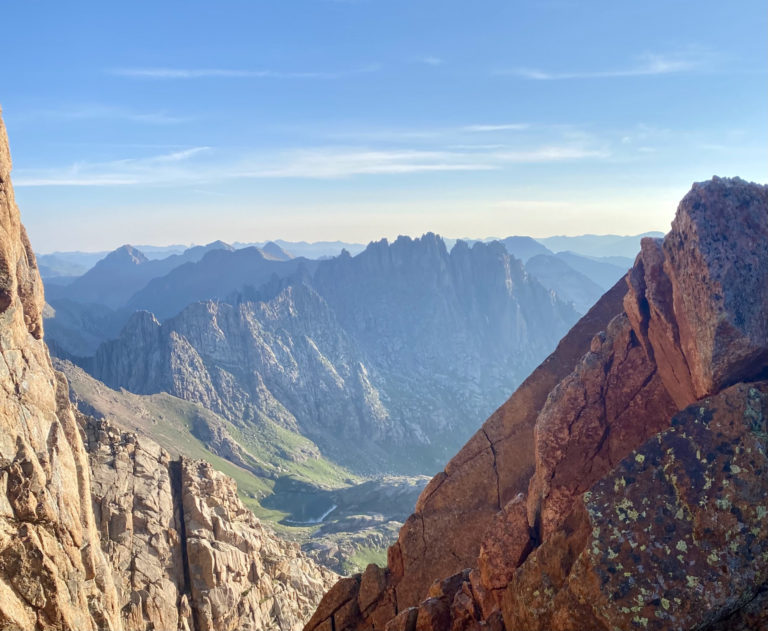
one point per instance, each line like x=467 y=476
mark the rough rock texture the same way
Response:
x=623 y=484
x=241 y=576
x=611 y=402
x=674 y=538
x=186 y=553
x=138 y=520
x=52 y=572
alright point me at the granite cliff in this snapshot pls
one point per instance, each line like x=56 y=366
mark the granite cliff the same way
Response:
x=102 y=530
x=184 y=551
x=623 y=485
x=53 y=574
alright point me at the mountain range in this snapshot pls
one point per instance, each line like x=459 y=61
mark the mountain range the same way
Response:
x=93 y=307
x=355 y=350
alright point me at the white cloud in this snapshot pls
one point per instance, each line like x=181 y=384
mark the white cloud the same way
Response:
x=336 y=163
x=502 y=127
x=206 y=164
x=157 y=169
x=648 y=64
x=106 y=112
x=552 y=154
x=431 y=60
x=230 y=73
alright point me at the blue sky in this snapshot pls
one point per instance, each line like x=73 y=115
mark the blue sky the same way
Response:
x=160 y=122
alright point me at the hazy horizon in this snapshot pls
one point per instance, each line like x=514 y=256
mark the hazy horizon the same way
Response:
x=246 y=243
x=356 y=119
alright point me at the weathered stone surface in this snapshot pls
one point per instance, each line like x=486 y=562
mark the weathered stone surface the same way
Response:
x=705 y=311
x=139 y=526
x=372 y=583
x=404 y=621
x=505 y=545
x=674 y=538
x=242 y=577
x=648 y=305
x=345 y=590
x=611 y=403
x=52 y=572
x=185 y=552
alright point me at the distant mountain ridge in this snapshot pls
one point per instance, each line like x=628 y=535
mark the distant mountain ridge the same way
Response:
x=116 y=277
x=405 y=344
x=600 y=245
x=214 y=277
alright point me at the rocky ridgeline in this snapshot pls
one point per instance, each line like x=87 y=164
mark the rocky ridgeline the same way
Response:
x=100 y=530
x=624 y=484
x=369 y=350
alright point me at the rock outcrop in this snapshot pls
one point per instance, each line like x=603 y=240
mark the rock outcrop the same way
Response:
x=623 y=484
x=52 y=572
x=186 y=553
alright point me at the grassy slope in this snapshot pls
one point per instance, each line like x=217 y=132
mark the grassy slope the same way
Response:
x=169 y=421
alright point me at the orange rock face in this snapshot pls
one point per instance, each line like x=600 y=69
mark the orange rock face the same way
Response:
x=52 y=572
x=622 y=485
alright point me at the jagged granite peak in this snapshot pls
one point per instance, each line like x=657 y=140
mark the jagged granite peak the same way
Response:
x=623 y=484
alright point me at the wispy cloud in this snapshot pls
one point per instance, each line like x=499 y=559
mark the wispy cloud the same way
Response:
x=157 y=169
x=552 y=154
x=108 y=113
x=230 y=73
x=503 y=127
x=205 y=164
x=336 y=163
x=649 y=64
x=431 y=60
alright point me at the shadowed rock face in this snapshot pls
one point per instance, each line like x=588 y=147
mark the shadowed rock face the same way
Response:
x=623 y=484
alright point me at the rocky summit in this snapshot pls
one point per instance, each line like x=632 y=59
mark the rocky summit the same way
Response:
x=101 y=530
x=624 y=484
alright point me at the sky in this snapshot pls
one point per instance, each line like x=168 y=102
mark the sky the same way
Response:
x=185 y=122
